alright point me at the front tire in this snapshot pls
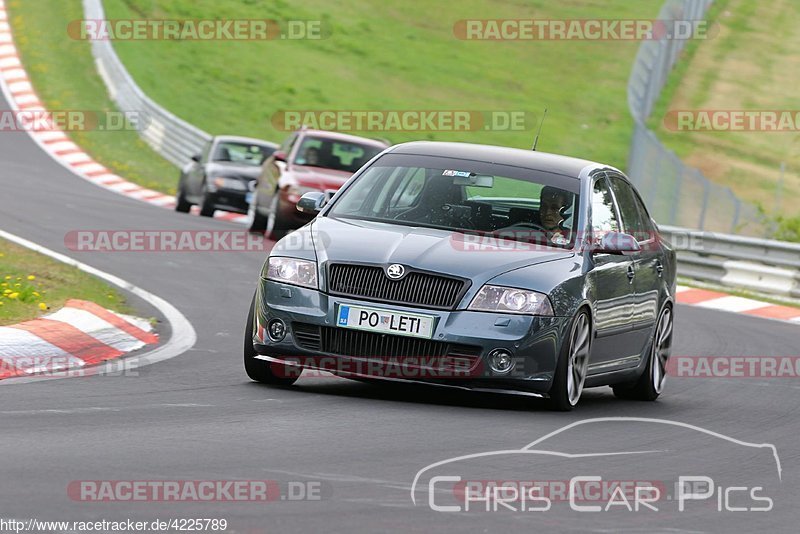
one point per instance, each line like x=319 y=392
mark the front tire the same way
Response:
x=258 y=223
x=277 y=227
x=181 y=204
x=651 y=383
x=572 y=366
x=207 y=208
x=272 y=373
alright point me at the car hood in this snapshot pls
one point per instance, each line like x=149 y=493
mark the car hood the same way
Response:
x=429 y=249
x=319 y=178
x=233 y=170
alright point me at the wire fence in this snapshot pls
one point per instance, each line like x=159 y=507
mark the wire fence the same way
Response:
x=676 y=193
x=173 y=138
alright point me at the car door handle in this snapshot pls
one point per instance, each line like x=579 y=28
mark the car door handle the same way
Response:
x=659 y=269
x=631 y=272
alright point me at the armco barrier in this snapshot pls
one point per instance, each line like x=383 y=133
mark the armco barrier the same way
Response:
x=173 y=138
x=762 y=265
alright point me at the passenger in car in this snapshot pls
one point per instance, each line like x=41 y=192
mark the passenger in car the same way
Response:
x=312 y=156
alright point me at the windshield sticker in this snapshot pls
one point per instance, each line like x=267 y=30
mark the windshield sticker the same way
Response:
x=449 y=172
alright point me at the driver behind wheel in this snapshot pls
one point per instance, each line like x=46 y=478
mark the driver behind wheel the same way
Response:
x=553 y=202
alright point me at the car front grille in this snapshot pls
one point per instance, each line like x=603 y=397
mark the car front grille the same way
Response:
x=415 y=288
x=369 y=345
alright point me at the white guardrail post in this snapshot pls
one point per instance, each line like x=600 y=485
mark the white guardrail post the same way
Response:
x=175 y=139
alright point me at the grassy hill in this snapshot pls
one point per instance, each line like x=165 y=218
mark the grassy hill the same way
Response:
x=394 y=55
x=751 y=65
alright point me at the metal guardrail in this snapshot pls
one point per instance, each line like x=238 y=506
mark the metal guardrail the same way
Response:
x=762 y=265
x=675 y=192
x=173 y=138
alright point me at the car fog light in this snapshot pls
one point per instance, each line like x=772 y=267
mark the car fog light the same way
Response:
x=501 y=361
x=276 y=330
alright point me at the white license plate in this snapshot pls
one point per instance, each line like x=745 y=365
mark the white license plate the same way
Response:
x=385 y=321
x=248 y=198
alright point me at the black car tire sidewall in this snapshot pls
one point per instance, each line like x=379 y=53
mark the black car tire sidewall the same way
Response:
x=207 y=208
x=279 y=225
x=259 y=222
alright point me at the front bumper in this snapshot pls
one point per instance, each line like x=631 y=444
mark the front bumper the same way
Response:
x=229 y=200
x=534 y=342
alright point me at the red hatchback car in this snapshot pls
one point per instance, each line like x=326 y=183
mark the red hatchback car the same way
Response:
x=308 y=160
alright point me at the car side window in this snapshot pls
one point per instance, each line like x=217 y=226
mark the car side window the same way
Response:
x=604 y=213
x=634 y=219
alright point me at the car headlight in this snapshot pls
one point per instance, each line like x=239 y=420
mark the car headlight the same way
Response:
x=510 y=300
x=221 y=182
x=291 y=271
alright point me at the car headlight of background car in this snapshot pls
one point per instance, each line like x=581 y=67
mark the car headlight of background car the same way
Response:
x=511 y=300
x=291 y=271
x=223 y=182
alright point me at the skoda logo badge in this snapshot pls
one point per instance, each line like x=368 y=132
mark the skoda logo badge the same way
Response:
x=395 y=271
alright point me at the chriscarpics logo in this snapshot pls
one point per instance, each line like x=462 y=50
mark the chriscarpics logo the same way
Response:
x=611 y=469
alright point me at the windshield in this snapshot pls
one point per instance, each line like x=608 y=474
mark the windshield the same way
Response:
x=337 y=155
x=465 y=196
x=241 y=153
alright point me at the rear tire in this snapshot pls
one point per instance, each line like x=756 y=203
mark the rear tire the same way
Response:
x=272 y=373
x=651 y=383
x=572 y=366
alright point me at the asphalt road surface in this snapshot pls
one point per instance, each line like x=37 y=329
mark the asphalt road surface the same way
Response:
x=355 y=448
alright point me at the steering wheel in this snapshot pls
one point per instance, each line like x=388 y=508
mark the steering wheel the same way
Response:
x=450 y=214
x=532 y=226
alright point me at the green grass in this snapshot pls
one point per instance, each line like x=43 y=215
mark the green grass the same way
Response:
x=64 y=75
x=32 y=285
x=394 y=55
x=750 y=65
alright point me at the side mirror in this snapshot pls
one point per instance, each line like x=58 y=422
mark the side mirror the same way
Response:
x=617 y=243
x=311 y=202
x=279 y=155
x=197 y=158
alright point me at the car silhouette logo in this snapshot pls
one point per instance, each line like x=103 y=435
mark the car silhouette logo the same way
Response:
x=395 y=271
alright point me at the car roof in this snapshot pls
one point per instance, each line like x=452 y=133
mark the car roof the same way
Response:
x=540 y=161
x=240 y=139
x=344 y=137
